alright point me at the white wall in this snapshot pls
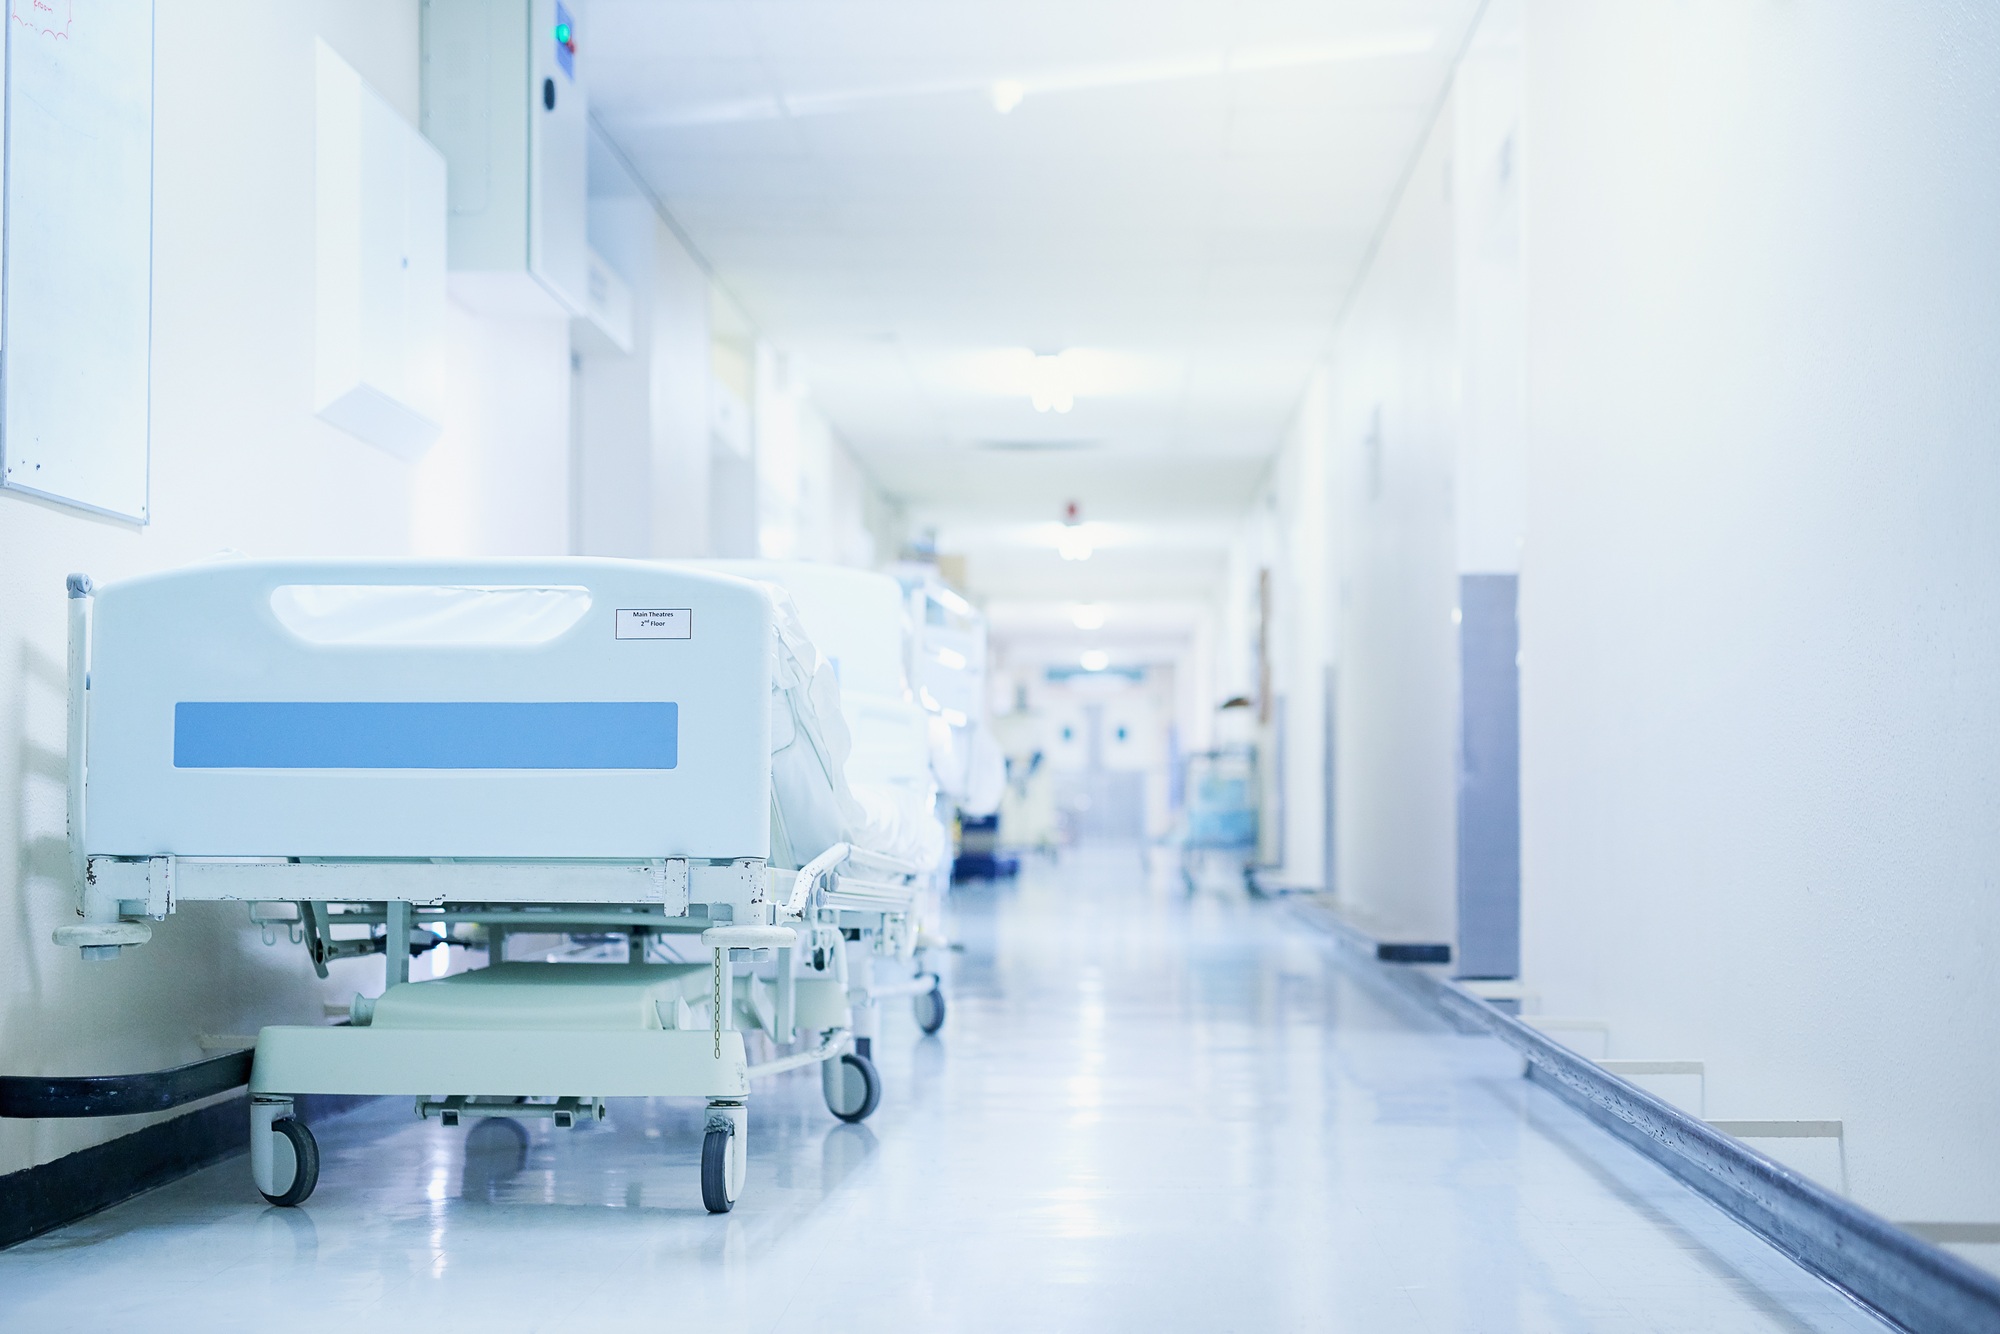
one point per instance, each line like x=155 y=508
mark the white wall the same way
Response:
x=1394 y=445
x=651 y=480
x=1489 y=491
x=642 y=449
x=1360 y=526
x=1761 y=594
x=497 y=481
x=860 y=529
x=1287 y=534
x=1740 y=401
x=815 y=501
x=239 y=462
x=679 y=393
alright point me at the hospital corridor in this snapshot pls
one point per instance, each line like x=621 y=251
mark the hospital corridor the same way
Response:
x=1011 y=666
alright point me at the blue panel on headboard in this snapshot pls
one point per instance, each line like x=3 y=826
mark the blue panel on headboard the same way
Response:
x=644 y=735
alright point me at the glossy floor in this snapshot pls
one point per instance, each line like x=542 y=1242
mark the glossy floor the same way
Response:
x=1145 y=1113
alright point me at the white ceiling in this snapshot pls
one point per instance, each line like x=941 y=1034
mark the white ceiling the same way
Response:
x=1183 y=195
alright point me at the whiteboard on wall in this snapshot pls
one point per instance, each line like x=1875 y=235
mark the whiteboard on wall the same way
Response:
x=76 y=281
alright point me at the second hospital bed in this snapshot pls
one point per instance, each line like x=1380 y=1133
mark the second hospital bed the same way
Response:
x=858 y=623
x=573 y=745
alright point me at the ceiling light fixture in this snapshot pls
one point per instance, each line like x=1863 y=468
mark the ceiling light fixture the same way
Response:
x=1096 y=660
x=1049 y=385
x=1087 y=616
x=1007 y=94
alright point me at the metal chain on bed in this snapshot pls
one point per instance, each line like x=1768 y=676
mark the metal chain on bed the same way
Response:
x=715 y=1005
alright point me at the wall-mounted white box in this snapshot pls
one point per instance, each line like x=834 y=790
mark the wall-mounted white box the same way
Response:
x=504 y=100
x=378 y=353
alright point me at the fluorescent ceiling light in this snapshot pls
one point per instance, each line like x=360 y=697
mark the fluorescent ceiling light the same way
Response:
x=1087 y=616
x=1046 y=379
x=1096 y=660
x=962 y=533
x=1049 y=384
x=1006 y=94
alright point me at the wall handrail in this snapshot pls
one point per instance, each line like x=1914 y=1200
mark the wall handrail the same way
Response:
x=28 y=1096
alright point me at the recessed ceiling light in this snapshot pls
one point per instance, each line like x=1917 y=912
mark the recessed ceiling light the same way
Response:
x=1036 y=446
x=1073 y=545
x=1095 y=660
x=1007 y=95
x=1049 y=384
x=1087 y=616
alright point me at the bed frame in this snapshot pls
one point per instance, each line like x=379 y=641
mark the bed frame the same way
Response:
x=574 y=745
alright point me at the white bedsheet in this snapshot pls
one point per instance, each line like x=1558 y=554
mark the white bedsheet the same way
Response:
x=814 y=803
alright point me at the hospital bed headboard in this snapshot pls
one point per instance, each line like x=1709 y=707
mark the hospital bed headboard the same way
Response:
x=574 y=708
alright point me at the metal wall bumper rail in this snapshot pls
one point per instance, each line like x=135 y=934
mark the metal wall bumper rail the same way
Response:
x=1899 y=1276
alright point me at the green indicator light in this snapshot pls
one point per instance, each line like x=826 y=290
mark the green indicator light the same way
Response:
x=562 y=33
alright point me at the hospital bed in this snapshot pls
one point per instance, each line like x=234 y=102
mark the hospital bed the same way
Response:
x=568 y=745
x=947 y=672
x=858 y=621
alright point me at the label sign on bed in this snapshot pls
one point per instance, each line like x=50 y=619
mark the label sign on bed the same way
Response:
x=674 y=623
x=470 y=735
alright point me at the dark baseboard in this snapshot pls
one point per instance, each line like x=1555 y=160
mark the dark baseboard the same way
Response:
x=40 y=1199
x=1398 y=951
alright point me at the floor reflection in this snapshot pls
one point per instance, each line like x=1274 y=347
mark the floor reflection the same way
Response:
x=1147 y=1111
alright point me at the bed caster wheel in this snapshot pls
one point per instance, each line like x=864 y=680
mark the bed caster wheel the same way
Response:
x=716 y=1196
x=498 y=1144
x=853 y=1089
x=297 y=1145
x=724 y=1156
x=930 y=1010
x=496 y=1151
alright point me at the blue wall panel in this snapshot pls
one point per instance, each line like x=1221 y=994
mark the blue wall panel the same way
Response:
x=1489 y=777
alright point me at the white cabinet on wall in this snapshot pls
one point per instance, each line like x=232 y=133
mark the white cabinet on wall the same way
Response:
x=379 y=320
x=504 y=99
